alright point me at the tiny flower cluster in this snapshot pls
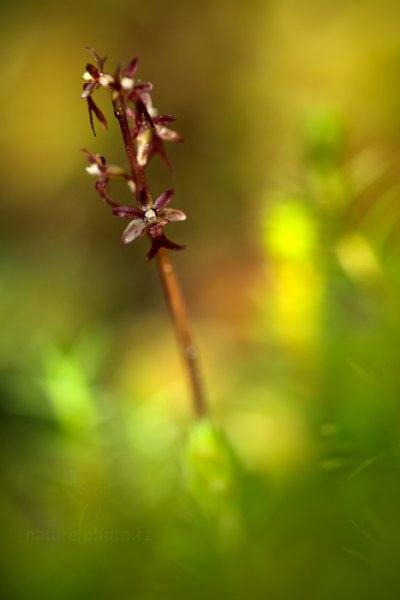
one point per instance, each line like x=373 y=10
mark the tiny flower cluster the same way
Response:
x=144 y=133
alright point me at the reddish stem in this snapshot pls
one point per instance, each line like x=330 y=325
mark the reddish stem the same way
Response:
x=136 y=169
x=178 y=312
x=172 y=289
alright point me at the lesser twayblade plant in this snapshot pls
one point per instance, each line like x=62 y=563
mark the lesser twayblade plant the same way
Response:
x=144 y=133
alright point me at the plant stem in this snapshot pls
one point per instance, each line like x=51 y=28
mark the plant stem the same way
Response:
x=172 y=290
x=178 y=312
x=137 y=172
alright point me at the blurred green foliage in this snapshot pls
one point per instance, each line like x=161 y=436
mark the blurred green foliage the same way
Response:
x=288 y=175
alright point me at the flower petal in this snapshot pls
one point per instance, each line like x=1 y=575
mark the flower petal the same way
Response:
x=160 y=241
x=172 y=214
x=101 y=188
x=143 y=140
x=94 y=158
x=130 y=114
x=164 y=119
x=93 y=108
x=117 y=172
x=131 y=68
x=128 y=212
x=163 y=200
x=142 y=111
x=167 y=134
x=145 y=199
x=143 y=86
x=100 y=61
x=134 y=229
x=157 y=147
x=93 y=71
x=88 y=88
x=93 y=169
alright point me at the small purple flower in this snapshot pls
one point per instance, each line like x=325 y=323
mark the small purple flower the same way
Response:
x=150 y=218
x=143 y=139
x=120 y=84
x=95 y=78
x=163 y=134
x=150 y=142
x=104 y=172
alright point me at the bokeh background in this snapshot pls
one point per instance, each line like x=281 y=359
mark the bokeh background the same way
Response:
x=289 y=176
